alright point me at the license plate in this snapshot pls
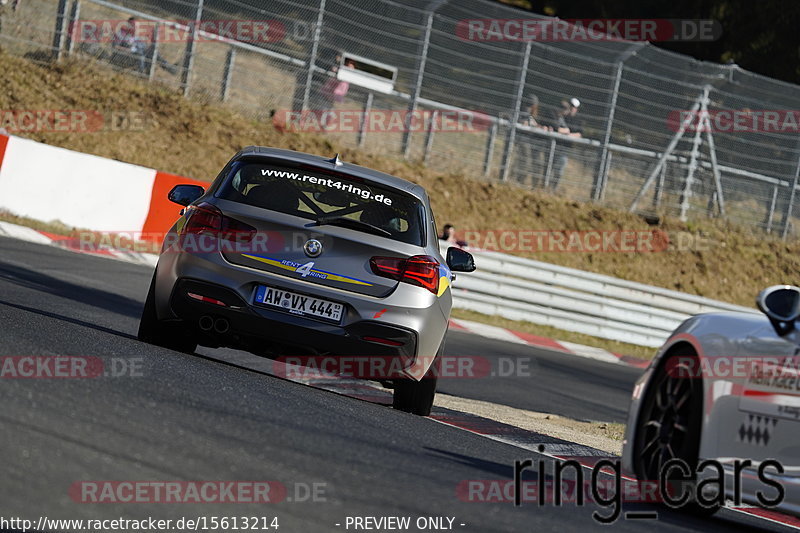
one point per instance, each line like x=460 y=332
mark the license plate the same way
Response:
x=299 y=304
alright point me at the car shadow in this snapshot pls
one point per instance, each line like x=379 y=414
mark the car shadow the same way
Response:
x=52 y=286
x=70 y=320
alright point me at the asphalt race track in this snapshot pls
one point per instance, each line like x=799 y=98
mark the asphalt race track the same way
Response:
x=188 y=418
x=550 y=382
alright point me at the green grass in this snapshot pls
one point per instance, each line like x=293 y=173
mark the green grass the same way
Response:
x=56 y=228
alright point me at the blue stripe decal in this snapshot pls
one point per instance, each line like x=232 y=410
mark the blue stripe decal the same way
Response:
x=315 y=269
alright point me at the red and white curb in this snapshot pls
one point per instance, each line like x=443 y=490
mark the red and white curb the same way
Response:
x=520 y=337
x=24 y=233
x=94 y=193
x=476 y=328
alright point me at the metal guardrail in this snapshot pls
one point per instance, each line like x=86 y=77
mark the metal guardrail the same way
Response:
x=574 y=300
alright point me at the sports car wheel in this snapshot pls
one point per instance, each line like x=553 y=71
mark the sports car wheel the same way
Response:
x=417 y=396
x=670 y=425
x=165 y=334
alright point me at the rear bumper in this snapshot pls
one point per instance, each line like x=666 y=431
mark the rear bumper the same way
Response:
x=412 y=316
x=276 y=333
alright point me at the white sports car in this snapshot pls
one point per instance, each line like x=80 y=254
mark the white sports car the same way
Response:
x=718 y=410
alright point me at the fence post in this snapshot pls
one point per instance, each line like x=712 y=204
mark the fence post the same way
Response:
x=362 y=127
x=551 y=154
x=660 y=186
x=422 y=59
x=712 y=152
x=429 y=136
x=599 y=187
x=154 y=52
x=508 y=147
x=695 y=153
x=312 y=58
x=487 y=157
x=188 y=58
x=227 y=76
x=772 y=208
x=74 y=15
x=58 y=35
x=788 y=215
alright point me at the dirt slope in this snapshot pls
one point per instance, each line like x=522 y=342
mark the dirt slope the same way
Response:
x=187 y=138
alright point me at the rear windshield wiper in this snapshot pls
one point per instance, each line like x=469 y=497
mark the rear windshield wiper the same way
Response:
x=351 y=222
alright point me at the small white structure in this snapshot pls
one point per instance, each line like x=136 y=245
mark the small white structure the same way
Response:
x=367 y=73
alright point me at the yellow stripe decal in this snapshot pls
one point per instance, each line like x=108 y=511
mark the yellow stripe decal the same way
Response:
x=322 y=274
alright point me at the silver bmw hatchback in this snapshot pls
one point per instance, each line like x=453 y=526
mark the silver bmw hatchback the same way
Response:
x=288 y=254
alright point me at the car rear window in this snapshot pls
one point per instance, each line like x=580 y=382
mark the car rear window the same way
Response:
x=315 y=195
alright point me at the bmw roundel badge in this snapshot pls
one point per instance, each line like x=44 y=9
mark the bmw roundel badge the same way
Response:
x=312 y=248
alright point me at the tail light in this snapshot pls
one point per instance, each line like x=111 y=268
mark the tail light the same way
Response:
x=420 y=270
x=208 y=219
x=381 y=340
x=206 y=299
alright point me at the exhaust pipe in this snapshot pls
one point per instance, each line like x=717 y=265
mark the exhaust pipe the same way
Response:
x=222 y=326
x=206 y=323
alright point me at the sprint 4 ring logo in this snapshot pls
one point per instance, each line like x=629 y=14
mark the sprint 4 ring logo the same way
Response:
x=306 y=270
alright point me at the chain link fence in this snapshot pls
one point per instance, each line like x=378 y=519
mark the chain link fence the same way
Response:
x=632 y=154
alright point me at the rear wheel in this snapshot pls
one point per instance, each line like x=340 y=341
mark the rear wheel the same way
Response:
x=670 y=425
x=417 y=396
x=172 y=335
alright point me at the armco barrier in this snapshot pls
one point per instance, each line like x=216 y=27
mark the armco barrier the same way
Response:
x=90 y=192
x=575 y=300
x=85 y=191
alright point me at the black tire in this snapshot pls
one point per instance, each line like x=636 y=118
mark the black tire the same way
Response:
x=416 y=397
x=670 y=424
x=170 y=335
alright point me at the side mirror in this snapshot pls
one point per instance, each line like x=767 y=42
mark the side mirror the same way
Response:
x=781 y=304
x=460 y=261
x=185 y=194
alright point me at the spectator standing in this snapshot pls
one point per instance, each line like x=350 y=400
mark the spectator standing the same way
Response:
x=328 y=58
x=565 y=122
x=449 y=236
x=332 y=92
x=528 y=154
